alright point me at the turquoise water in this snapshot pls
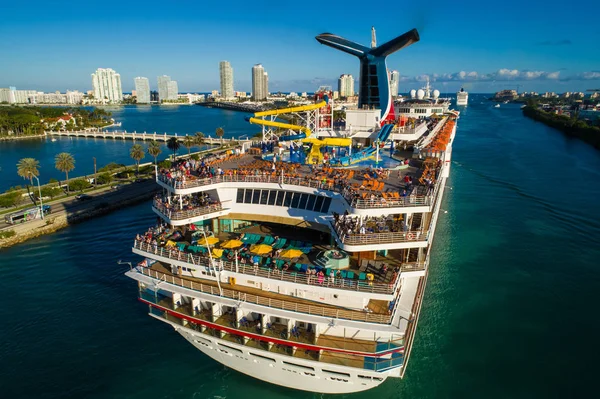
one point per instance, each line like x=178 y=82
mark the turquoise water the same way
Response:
x=172 y=119
x=510 y=309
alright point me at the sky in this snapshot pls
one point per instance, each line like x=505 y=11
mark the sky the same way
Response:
x=481 y=46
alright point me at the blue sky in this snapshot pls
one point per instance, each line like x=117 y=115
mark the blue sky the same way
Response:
x=538 y=45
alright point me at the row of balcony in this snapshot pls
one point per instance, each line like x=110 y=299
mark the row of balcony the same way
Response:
x=281 y=275
x=350 y=195
x=378 y=238
x=173 y=214
x=289 y=305
x=266 y=345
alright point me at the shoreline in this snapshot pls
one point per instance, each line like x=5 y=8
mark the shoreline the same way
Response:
x=589 y=134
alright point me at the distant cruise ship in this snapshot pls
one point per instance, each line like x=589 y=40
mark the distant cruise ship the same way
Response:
x=305 y=269
x=462 y=97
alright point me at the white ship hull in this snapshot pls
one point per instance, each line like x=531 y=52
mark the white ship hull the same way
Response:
x=285 y=371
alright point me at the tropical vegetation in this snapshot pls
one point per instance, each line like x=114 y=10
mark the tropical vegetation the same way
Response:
x=64 y=162
x=220 y=132
x=571 y=126
x=26 y=121
x=137 y=153
x=173 y=145
x=154 y=150
x=189 y=142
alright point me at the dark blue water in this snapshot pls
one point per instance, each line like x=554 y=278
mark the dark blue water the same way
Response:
x=182 y=119
x=510 y=309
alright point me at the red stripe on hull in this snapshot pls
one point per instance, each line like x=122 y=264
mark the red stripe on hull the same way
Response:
x=267 y=339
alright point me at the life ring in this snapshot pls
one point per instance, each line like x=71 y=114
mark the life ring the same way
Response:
x=410 y=236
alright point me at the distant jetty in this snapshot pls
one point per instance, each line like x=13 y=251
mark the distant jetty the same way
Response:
x=251 y=108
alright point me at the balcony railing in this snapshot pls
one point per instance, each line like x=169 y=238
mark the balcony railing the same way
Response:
x=347 y=192
x=378 y=238
x=281 y=275
x=174 y=214
x=269 y=302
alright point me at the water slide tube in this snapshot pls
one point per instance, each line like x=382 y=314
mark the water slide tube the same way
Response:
x=257 y=121
x=382 y=137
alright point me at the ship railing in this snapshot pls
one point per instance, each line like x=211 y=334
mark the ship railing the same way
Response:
x=325 y=355
x=174 y=214
x=347 y=192
x=281 y=275
x=378 y=238
x=269 y=302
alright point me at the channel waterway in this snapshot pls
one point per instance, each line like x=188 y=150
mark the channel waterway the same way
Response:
x=180 y=119
x=510 y=309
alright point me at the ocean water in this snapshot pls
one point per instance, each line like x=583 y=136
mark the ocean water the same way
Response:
x=180 y=119
x=510 y=310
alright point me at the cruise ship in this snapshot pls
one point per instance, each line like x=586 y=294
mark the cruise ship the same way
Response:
x=301 y=259
x=462 y=97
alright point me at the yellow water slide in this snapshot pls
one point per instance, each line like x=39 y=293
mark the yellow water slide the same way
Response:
x=315 y=155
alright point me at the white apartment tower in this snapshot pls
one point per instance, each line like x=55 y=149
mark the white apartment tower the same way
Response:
x=259 y=82
x=226 y=72
x=106 y=84
x=266 y=84
x=172 y=90
x=142 y=89
x=167 y=88
x=346 y=85
x=394 y=82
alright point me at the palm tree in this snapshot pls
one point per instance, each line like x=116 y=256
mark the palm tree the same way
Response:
x=220 y=132
x=188 y=142
x=154 y=150
x=173 y=145
x=27 y=168
x=137 y=153
x=199 y=137
x=65 y=162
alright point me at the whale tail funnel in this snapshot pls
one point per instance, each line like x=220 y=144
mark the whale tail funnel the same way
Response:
x=374 y=85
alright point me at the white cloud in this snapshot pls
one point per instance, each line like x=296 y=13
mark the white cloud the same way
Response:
x=503 y=74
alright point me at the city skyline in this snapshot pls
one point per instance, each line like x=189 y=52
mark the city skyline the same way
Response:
x=491 y=52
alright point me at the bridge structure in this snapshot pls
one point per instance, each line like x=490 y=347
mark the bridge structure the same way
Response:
x=251 y=108
x=124 y=135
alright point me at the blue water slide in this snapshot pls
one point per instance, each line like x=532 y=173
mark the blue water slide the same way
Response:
x=385 y=132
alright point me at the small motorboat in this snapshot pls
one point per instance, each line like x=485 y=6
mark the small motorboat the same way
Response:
x=53 y=140
x=497 y=106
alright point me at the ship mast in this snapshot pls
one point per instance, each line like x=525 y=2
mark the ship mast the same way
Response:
x=373 y=38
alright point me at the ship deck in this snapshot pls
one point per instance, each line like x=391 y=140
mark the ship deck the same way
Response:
x=376 y=307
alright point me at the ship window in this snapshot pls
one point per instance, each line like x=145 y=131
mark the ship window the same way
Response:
x=280 y=195
x=230 y=348
x=326 y=204
x=264 y=196
x=295 y=200
x=272 y=197
x=336 y=372
x=240 y=196
x=311 y=202
x=288 y=199
x=299 y=365
x=255 y=196
x=318 y=203
x=303 y=200
x=248 y=197
x=262 y=357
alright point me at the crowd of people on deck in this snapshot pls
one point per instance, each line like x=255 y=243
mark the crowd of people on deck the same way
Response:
x=351 y=225
x=165 y=238
x=312 y=175
x=188 y=202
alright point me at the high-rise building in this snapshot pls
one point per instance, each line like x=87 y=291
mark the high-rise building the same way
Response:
x=266 y=84
x=259 y=87
x=167 y=88
x=346 y=85
x=154 y=96
x=226 y=72
x=394 y=83
x=172 y=91
x=142 y=90
x=106 y=84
